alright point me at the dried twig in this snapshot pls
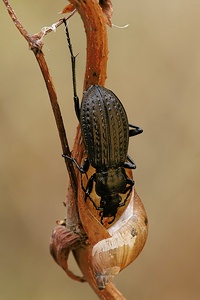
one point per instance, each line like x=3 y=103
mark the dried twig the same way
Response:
x=35 y=43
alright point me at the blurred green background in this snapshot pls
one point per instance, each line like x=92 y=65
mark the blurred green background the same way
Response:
x=154 y=68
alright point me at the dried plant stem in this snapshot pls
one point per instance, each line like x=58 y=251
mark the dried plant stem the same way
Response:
x=96 y=64
x=97 y=43
x=35 y=44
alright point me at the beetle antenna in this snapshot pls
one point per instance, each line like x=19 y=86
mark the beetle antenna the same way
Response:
x=73 y=61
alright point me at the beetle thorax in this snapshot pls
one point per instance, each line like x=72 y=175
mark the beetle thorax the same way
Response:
x=110 y=182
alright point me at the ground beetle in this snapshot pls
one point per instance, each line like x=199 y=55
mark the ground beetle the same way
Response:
x=106 y=132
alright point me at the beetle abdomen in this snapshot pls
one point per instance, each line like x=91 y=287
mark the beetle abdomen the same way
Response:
x=104 y=127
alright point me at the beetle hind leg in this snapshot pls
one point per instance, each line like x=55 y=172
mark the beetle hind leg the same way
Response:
x=129 y=164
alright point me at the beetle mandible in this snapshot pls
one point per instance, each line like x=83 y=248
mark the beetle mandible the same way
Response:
x=106 y=132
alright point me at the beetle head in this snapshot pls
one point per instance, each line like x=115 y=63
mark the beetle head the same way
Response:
x=109 y=205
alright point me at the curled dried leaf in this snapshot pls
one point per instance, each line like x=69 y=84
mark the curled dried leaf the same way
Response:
x=107 y=9
x=61 y=243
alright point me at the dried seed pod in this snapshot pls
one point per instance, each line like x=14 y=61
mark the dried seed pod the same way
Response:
x=128 y=236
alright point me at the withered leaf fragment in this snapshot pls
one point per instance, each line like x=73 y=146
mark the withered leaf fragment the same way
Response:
x=61 y=243
x=107 y=9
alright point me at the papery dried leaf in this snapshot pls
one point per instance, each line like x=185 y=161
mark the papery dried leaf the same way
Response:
x=107 y=9
x=67 y=9
x=61 y=243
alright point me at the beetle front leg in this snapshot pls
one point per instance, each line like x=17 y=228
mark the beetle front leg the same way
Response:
x=88 y=191
x=129 y=182
x=135 y=131
x=89 y=187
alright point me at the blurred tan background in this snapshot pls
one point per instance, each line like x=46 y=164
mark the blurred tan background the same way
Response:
x=154 y=68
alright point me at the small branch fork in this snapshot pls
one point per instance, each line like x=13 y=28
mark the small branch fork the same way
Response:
x=35 y=43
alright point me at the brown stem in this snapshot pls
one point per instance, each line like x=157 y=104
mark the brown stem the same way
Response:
x=97 y=44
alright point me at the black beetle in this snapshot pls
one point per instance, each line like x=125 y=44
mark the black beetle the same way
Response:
x=106 y=132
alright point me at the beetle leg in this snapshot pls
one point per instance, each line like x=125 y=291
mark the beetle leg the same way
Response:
x=87 y=194
x=135 y=131
x=128 y=194
x=131 y=184
x=89 y=187
x=85 y=190
x=127 y=189
x=85 y=166
x=111 y=220
x=73 y=62
x=130 y=164
x=102 y=216
x=88 y=191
